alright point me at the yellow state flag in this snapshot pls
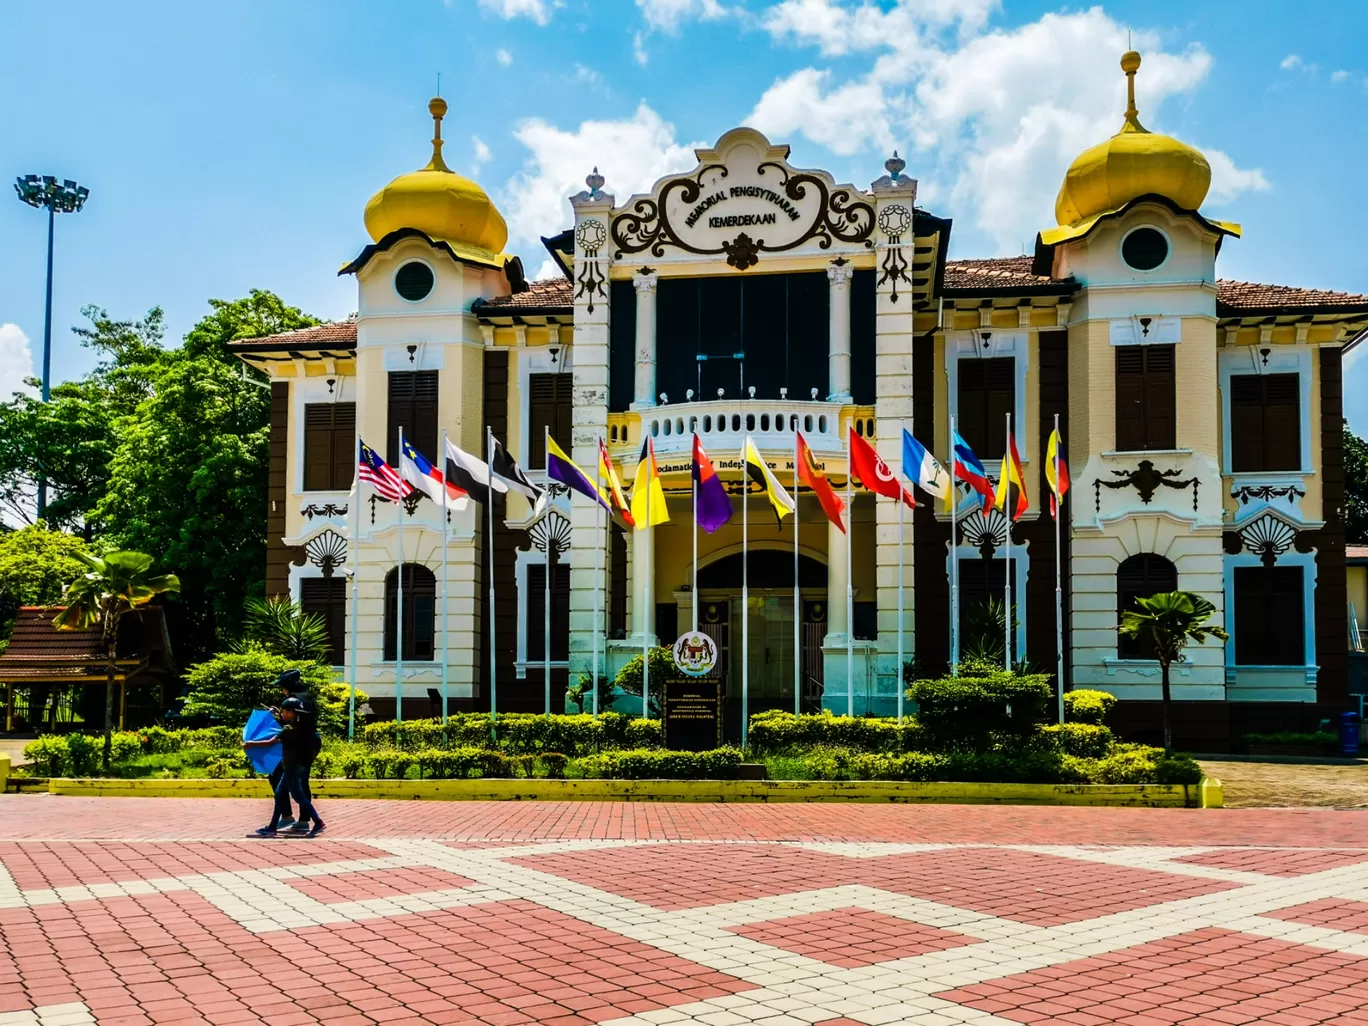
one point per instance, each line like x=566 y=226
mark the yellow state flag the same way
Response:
x=759 y=472
x=648 y=496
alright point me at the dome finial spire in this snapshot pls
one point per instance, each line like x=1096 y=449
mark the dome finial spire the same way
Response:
x=437 y=107
x=1130 y=64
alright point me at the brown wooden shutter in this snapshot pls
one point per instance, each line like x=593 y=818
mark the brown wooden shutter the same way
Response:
x=327 y=597
x=535 y=627
x=1246 y=423
x=987 y=393
x=413 y=406
x=344 y=455
x=1130 y=399
x=318 y=421
x=1270 y=620
x=1140 y=576
x=420 y=606
x=549 y=405
x=1282 y=421
x=1161 y=409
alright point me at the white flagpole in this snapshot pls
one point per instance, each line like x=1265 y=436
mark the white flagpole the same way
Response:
x=550 y=543
x=645 y=568
x=693 y=584
x=352 y=621
x=399 y=617
x=1059 y=575
x=493 y=654
x=1006 y=485
x=898 y=680
x=954 y=560
x=850 y=586
x=797 y=603
x=598 y=591
x=745 y=598
x=446 y=647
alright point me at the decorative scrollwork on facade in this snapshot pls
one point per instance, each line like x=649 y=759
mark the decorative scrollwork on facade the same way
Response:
x=591 y=235
x=552 y=530
x=326 y=510
x=327 y=551
x=895 y=221
x=841 y=216
x=1268 y=493
x=1267 y=537
x=410 y=503
x=1145 y=480
x=986 y=532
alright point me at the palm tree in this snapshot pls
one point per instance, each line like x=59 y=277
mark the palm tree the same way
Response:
x=115 y=584
x=1166 y=623
x=281 y=627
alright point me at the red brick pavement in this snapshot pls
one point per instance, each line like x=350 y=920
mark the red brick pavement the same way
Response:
x=1277 y=863
x=1205 y=978
x=851 y=937
x=1331 y=913
x=377 y=883
x=41 y=817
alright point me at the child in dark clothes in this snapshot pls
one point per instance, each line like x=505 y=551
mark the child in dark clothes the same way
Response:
x=299 y=745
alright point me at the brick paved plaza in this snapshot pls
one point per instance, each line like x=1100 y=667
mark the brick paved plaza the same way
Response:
x=138 y=911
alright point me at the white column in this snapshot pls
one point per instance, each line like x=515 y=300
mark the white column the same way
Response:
x=639 y=571
x=645 y=391
x=837 y=627
x=839 y=272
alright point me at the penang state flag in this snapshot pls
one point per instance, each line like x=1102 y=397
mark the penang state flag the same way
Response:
x=417 y=471
x=560 y=467
x=1059 y=484
x=969 y=469
x=867 y=465
x=712 y=508
x=759 y=472
x=648 y=496
x=1012 y=475
x=811 y=475
x=920 y=466
x=618 y=505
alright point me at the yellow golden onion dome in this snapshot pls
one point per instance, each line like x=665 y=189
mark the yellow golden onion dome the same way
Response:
x=1133 y=163
x=441 y=204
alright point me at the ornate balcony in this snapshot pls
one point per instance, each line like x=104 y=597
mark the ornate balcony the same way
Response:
x=724 y=424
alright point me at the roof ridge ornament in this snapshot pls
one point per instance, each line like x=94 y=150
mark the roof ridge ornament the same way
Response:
x=437 y=107
x=894 y=165
x=595 y=182
x=1130 y=64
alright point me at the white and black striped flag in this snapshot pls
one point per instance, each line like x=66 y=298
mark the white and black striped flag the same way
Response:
x=470 y=474
x=506 y=469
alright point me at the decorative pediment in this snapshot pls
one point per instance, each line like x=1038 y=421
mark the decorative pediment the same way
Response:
x=744 y=200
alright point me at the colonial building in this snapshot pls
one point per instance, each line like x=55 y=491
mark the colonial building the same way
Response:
x=747 y=296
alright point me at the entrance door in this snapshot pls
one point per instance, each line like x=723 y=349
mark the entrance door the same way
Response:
x=771 y=652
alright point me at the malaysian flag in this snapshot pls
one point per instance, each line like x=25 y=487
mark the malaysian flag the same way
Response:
x=387 y=483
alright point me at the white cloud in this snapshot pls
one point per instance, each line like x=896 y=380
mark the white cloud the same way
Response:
x=631 y=153
x=537 y=10
x=1340 y=76
x=482 y=153
x=503 y=57
x=1290 y=62
x=548 y=269
x=667 y=15
x=1228 y=181
x=639 y=53
x=587 y=76
x=991 y=116
x=16 y=361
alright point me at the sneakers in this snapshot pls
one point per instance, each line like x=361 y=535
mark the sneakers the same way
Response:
x=317 y=829
x=299 y=829
x=285 y=824
x=266 y=831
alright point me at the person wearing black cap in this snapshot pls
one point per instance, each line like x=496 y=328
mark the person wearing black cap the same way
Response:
x=290 y=684
x=299 y=744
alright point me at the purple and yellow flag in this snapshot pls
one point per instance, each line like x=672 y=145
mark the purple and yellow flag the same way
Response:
x=712 y=507
x=560 y=467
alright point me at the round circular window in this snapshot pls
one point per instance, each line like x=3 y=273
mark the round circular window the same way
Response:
x=1144 y=249
x=413 y=281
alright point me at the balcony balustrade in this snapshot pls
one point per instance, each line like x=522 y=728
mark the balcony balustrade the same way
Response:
x=723 y=425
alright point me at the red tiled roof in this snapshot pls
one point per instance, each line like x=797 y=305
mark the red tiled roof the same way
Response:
x=39 y=651
x=1242 y=295
x=553 y=293
x=1356 y=552
x=321 y=336
x=992 y=273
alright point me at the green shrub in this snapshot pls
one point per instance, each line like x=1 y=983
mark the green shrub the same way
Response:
x=125 y=746
x=628 y=679
x=553 y=765
x=222 y=765
x=648 y=764
x=777 y=732
x=1131 y=764
x=1288 y=737
x=48 y=756
x=1084 y=706
x=1084 y=740
x=519 y=733
x=160 y=741
x=210 y=738
x=84 y=754
x=232 y=684
x=494 y=764
x=986 y=707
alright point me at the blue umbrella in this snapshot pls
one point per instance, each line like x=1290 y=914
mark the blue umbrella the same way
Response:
x=261 y=726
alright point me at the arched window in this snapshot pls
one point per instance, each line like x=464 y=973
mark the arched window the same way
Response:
x=420 y=606
x=1140 y=576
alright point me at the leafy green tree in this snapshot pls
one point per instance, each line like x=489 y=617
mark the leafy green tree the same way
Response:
x=260 y=313
x=35 y=565
x=281 y=627
x=1168 y=621
x=232 y=684
x=628 y=679
x=116 y=584
x=1355 y=488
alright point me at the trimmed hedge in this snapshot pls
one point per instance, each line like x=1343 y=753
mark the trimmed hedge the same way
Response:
x=779 y=733
x=519 y=733
x=1084 y=740
x=1085 y=706
x=78 y=755
x=1137 y=764
x=983 y=709
x=651 y=764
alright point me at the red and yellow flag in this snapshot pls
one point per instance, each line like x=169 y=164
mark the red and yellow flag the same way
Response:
x=811 y=475
x=1012 y=475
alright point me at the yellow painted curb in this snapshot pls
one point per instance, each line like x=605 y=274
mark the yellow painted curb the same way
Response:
x=4 y=771
x=883 y=791
x=1212 y=792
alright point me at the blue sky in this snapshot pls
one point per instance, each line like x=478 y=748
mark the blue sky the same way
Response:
x=231 y=146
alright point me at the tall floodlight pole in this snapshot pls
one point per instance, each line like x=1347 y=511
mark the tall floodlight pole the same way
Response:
x=66 y=197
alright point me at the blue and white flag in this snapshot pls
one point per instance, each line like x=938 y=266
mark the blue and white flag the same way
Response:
x=920 y=466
